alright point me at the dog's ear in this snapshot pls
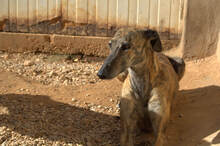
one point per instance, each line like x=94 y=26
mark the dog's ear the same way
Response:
x=154 y=38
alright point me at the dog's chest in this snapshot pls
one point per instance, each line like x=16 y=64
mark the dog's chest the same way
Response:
x=140 y=86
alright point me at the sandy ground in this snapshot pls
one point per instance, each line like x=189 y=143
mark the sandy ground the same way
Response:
x=32 y=113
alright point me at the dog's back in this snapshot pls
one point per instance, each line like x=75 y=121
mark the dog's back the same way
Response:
x=178 y=65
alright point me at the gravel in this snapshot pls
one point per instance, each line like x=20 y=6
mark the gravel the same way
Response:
x=79 y=123
x=52 y=69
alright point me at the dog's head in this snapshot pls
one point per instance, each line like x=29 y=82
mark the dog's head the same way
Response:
x=127 y=48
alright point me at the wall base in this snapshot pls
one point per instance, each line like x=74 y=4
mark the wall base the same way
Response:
x=61 y=44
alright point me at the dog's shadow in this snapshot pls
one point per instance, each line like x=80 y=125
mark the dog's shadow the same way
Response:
x=195 y=117
x=41 y=117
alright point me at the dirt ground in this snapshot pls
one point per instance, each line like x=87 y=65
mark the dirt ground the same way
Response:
x=34 y=113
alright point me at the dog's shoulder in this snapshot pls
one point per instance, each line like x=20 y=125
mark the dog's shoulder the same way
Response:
x=167 y=77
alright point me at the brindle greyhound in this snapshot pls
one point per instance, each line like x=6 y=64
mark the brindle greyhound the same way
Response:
x=151 y=81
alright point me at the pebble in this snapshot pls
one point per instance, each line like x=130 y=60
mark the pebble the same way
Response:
x=6 y=56
x=74 y=100
x=28 y=63
x=54 y=73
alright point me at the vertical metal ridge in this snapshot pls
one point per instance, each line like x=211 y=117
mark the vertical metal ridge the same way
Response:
x=28 y=11
x=9 y=14
x=87 y=12
x=96 y=11
x=107 y=17
x=117 y=11
x=149 y=14
x=16 y=15
x=136 y=22
x=76 y=10
x=158 y=15
x=37 y=9
x=128 y=12
x=179 y=17
x=138 y=3
x=67 y=9
x=170 y=19
x=47 y=26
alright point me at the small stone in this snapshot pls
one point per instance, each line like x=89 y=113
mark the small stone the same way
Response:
x=28 y=63
x=6 y=56
x=51 y=73
x=111 y=100
x=65 y=82
x=118 y=105
x=76 y=60
x=37 y=60
x=93 y=109
x=74 y=100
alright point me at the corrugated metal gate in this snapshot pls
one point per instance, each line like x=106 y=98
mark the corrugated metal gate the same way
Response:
x=91 y=17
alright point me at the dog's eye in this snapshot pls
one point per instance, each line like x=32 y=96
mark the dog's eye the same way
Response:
x=125 y=46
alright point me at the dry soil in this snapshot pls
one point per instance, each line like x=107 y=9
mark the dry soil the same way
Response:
x=36 y=113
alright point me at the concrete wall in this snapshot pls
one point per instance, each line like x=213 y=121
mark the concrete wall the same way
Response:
x=201 y=28
x=218 y=47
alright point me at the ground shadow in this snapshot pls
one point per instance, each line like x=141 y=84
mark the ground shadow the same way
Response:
x=195 y=116
x=39 y=116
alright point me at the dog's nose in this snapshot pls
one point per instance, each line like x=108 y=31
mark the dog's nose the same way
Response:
x=101 y=75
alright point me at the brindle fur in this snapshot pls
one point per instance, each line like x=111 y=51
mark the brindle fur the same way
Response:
x=150 y=82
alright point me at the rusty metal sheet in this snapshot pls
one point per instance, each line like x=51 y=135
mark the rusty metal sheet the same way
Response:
x=143 y=13
x=181 y=9
x=81 y=16
x=42 y=16
x=22 y=16
x=72 y=17
x=132 y=13
x=13 y=15
x=4 y=17
x=122 y=13
x=91 y=28
x=32 y=14
x=102 y=17
x=164 y=17
x=174 y=18
x=91 y=17
x=64 y=13
x=153 y=22
x=112 y=7
x=53 y=16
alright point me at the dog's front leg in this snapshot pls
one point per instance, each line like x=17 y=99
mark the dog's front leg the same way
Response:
x=128 y=122
x=159 y=112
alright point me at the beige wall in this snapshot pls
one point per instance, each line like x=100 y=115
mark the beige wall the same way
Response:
x=201 y=29
x=218 y=47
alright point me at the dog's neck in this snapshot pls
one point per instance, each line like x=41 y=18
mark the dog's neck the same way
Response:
x=142 y=76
